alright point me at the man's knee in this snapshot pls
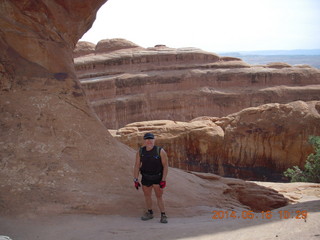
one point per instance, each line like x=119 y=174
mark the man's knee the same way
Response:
x=147 y=190
x=147 y=195
x=158 y=193
x=159 y=197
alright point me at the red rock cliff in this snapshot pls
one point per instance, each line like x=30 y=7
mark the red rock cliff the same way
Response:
x=255 y=143
x=126 y=83
x=54 y=151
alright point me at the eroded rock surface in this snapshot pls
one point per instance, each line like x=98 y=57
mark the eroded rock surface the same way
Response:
x=126 y=83
x=255 y=143
x=54 y=151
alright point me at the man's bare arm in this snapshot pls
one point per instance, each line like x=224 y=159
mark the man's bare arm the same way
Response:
x=137 y=166
x=164 y=160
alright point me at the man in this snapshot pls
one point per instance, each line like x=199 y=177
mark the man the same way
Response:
x=152 y=161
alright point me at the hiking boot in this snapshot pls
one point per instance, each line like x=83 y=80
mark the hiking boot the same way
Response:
x=163 y=219
x=147 y=216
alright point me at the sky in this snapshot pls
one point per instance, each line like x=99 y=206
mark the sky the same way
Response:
x=211 y=25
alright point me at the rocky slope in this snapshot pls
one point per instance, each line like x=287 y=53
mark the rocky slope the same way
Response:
x=255 y=143
x=126 y=83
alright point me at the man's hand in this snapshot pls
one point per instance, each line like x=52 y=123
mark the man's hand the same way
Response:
x=162 y=184
x=136 y=183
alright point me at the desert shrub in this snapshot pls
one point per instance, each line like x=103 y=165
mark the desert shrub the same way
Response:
x=311 y=172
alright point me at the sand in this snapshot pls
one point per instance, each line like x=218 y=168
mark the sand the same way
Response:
x=76 y=227
x=202 y=226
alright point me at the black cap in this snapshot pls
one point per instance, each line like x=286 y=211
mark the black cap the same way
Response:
x=148 y=136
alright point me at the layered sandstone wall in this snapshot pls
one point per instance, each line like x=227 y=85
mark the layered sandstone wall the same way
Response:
x=255 y=143
x=126 y=83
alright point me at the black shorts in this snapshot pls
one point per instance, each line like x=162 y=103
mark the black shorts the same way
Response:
x=149 y=180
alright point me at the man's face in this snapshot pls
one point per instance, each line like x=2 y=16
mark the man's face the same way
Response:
x=149 y=143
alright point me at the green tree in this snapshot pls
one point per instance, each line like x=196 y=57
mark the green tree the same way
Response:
x=311 y=172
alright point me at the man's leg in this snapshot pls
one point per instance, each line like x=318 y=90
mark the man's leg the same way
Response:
x=159 y=192
x=147 y=196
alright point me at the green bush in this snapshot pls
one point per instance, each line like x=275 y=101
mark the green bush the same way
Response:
x=311 y=172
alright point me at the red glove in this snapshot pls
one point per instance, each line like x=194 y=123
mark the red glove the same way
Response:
x=136 y=184
x=162 y=184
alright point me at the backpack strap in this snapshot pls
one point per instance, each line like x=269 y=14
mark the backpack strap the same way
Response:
x=140 y=151
x=158 y=150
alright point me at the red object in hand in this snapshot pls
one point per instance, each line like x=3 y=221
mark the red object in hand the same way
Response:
x=137 y=185
x=162 y=184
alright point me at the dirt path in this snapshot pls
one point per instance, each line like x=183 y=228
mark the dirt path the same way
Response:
x=84 y=227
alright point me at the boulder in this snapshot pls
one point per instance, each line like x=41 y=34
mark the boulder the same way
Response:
x=84 y=48
x=264 y=141
x=110 y=45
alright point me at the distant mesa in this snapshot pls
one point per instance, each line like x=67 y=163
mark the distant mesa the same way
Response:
x=160 y=45
x=309 y=57
x=278 y=65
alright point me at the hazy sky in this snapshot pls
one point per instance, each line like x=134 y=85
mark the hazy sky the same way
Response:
x=212 y=25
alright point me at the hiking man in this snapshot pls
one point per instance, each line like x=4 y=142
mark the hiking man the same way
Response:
x=152 y=162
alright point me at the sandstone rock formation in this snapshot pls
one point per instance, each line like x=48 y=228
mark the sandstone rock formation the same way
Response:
x=255 y=143
x=127 y=83
x=110 y=45
x=51 y=142
x=191 y=146
x=84 y=48
x=270 y=137
x=55 y=155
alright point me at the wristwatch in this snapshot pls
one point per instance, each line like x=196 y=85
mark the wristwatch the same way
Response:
x=135 y=179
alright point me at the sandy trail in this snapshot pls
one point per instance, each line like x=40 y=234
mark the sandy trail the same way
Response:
x=78 y=227
x=306 y=198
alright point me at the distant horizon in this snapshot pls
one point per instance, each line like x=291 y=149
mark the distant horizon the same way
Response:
x=309 y=57
x=317 y=50
x=211 y=25
x=240 y=51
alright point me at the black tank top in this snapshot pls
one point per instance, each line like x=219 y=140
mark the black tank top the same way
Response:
x=150 y=161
